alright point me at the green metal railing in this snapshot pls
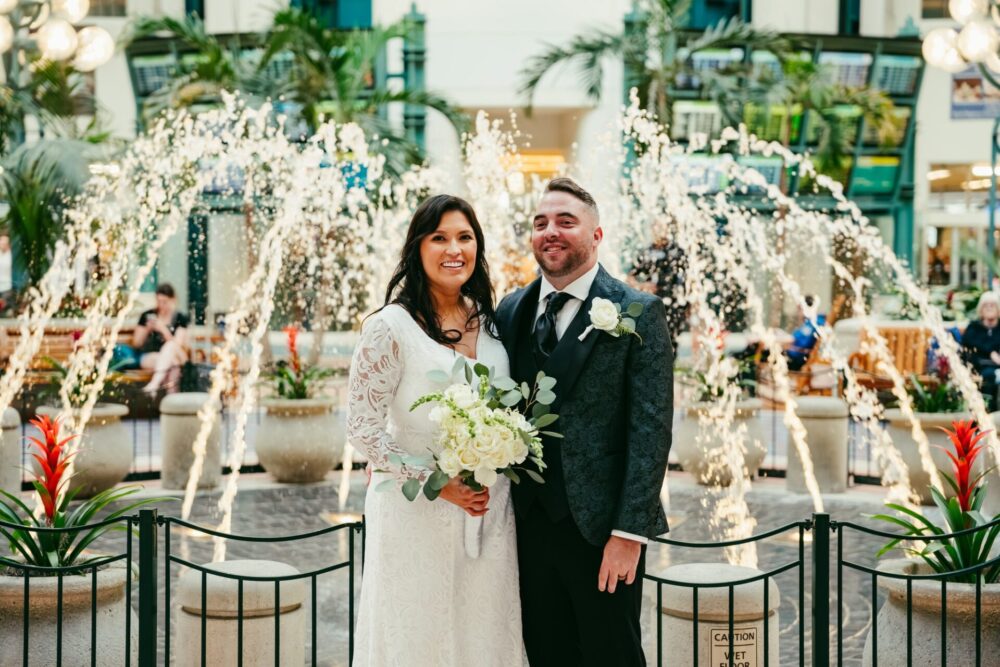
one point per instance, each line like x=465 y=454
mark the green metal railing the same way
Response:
x=154 y=622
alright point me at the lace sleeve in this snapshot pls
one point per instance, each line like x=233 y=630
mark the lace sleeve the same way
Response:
x=376 y=371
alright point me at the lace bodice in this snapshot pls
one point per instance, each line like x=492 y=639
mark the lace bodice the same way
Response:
x=388 y=373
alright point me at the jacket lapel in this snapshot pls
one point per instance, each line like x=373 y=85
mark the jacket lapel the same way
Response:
x=523 y=298
x=567 y=360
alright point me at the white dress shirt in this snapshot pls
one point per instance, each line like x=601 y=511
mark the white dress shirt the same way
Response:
x=579 y=289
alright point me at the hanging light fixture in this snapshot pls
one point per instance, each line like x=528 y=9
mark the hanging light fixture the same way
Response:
x=73 y=11
x=964 y=11
x=57 y=39
x=95 y=47
x=7 y=6
x=940 y=50
x=978 y=41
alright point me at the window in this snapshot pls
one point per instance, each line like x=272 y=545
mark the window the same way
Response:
x=849 y=22
x=705 y=13
x=107 y=7
x=934 y=9
x=345 y=14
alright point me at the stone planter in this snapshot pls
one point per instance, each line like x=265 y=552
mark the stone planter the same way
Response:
x=713 y=616
x=900 y=430
x=105 y=451
x=825 y=421
x=701 y=449
x=179 y=428
x=222 y=617
x=10 y=451
x=925 y=636
x=300 y=440
x=43 y=597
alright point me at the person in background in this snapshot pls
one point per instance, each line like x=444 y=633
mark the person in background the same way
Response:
x=805 y=335
x=161 y=340
x=981 y=344
x=6 y=276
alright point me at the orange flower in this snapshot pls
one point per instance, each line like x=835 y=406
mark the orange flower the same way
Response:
x=292 y=332
x=52 y=459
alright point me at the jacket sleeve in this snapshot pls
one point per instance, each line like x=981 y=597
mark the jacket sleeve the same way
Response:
x=649 y=416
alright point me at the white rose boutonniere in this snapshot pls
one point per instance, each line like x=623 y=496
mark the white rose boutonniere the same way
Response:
x=608 y=316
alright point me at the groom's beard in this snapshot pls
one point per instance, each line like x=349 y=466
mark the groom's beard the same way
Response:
x=571 y=260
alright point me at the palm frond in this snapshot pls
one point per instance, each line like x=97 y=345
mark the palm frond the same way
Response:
x=588 y=50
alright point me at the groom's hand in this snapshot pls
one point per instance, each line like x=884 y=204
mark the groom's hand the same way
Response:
x=621 y=560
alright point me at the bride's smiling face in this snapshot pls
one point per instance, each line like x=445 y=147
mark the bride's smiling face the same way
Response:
x=448 y=254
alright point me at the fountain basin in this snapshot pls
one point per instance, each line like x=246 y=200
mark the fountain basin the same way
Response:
x=300 y=440
x=925 y=636
x=931 y=423
x=700 y=447
x=105 y=448
x=112 y=610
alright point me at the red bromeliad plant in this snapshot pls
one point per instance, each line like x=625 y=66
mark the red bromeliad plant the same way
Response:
x=961 y=512
x=62 y=549
x=292 y=378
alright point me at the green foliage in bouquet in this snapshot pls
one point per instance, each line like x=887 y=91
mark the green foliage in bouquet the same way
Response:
x=961 y=512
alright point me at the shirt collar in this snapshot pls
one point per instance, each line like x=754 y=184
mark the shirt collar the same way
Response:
x=579 y=288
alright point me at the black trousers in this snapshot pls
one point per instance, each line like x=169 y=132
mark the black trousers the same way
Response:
x=566 y=619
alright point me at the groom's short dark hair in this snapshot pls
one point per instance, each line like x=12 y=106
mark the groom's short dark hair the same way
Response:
x=572 y=188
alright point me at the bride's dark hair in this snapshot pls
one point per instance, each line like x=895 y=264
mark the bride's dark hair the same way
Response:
x=410 y=288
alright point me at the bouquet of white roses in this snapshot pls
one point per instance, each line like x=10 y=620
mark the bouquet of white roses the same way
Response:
x=481 y=434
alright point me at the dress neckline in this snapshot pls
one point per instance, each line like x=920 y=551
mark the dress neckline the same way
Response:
x=479 y=337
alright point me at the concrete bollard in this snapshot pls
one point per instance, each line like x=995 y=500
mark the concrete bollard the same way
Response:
x=825 y=421
x=179 y=425
x=713 y=617
x=10 y=452
x=222 y=604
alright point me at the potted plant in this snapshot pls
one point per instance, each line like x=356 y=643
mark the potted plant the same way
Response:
x=701 y=435
x=87 y=578
x=104 y=456
x=301 y=434
x=936 y=405
x=943 y=555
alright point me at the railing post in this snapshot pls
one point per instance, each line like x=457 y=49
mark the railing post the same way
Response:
x=147 y=586
x=821 y=590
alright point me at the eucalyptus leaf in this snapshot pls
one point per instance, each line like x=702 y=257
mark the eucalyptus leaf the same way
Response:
x=546 y=397
x=468 y=374
x=395 y=459
x=458 y=367
x=411 y=488
x=618 y=307
x=547 y=383
x=525 y=390
x=552 y=434
x=511 y=398
x=481 y=370
x=535 y=476
x=537 y=410
x=505 y=384
x=438 y=376
x=628 y=324
x=545 y=420
x=430 y=492
x=634 y=309
x=438 y=480
x=511 y=475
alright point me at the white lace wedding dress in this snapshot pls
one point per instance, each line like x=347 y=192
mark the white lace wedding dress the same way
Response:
x=424 y=601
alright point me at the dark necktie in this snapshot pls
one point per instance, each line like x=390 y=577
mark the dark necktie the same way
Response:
x=545 y=327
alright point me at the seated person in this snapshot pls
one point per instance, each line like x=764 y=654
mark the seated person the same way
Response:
x=160 y=340
x=981 y=343
x=805 y=335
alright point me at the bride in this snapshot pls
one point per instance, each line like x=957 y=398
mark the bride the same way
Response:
x=424 y=600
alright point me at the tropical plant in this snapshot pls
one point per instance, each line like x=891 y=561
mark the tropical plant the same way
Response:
x=292 y=378
x=943 y=396
x=322 y=73
x=59 y=549
x=961 y=512
x=653 y=54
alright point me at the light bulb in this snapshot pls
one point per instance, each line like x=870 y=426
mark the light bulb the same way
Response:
x=940 y=51
x=73 y=11
x=57 y=39
x=94 y=49
x=7 y=6
x=964 y=11
x=43 y=16
x=6 y=34
x=978 y=40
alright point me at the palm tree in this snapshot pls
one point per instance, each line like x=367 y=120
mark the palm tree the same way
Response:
x=327 y=74
x=654 y=57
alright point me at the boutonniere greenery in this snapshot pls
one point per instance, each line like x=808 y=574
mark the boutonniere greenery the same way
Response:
x=613 y=319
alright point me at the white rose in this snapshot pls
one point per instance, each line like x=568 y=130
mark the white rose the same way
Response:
x=448 y=462
x=603 y=315
x=468 y=457
x=462 y=395
x=437 y=414
x=486 y=476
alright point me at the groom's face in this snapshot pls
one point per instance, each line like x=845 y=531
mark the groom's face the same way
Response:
x=565 y=235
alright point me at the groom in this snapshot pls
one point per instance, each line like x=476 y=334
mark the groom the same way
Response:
x=581 y=536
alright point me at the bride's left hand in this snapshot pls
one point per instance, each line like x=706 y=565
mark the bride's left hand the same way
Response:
x=473 y=502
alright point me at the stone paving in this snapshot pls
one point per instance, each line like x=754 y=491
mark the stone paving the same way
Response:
x=267 y=509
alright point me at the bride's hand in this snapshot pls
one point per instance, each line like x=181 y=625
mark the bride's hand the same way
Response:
x=457 y=493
